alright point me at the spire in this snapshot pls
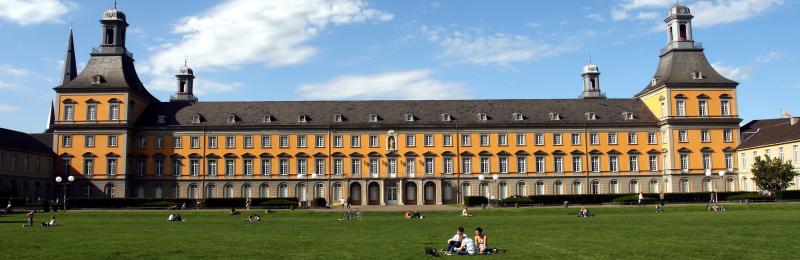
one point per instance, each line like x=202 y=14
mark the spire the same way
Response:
x=50 y=118
x=70 y=70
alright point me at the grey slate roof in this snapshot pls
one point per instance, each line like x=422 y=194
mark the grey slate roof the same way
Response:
x=675 y=68
x=767 y=132
x=13 y=140
x=117 y=71
x=392 y=112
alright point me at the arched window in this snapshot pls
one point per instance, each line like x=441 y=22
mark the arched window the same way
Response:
x=337 y=191
x=503 y=190
x=176 y=191
x=558 y=188
x=576 y=188
x=654 y=186
x=730 y=185
x=485 y=189
x=283 y=190
x=193 y=191
x=301 y=192
x=140 y=191
x=319 y=191
x=540 y=188
x=157 y=193
x=682 y=32
x=265 y=190
x=634 y=186
x=465 y=189
x=707 y=185
x=595 y=187
x=247 y=191
x=684 y=183
x=228 y=191
x=614 y=186
x=211 y=190
x=521 y=189
x=109 y=190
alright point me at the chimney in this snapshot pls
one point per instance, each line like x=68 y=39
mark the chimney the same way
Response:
x=794 y=120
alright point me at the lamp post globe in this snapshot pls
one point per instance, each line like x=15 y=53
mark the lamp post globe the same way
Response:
x=722 y=173
x=71 y=178
x=708 y=173
x=481 y=177
x=495 y=177
x=59 y=179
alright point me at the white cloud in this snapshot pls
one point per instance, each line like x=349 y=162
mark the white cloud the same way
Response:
x=707 y=13
x=472 y=46
x=413 y=84
x=744 y=72
x=596 y=17
x=6 y=69
x=8 y=108
x=28 y=12
x=240 y=32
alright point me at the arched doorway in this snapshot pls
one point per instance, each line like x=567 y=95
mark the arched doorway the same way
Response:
x=430 y=193
x=411 y=193
x=373 y=193
x=355 y=193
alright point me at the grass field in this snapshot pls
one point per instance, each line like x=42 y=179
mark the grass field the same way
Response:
x=766 y=231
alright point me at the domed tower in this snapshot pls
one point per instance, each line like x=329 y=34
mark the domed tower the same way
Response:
x=591 y=82
x=679 y=27
x=185 y=79
x=114 y=25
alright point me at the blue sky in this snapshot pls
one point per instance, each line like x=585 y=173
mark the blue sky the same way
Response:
x=351 y=49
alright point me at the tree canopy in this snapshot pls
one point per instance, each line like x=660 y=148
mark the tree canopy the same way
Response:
x=772 y=174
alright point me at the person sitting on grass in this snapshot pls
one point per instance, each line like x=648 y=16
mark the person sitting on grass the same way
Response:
x=467 y=246
x=659 y=209
x=584 y=213
x=175 y=217
x=50 y=223
x=481 y=240
x=234 y=212
x=455 y=241
x=465 y=213
x=407 y=215
x=416 y=215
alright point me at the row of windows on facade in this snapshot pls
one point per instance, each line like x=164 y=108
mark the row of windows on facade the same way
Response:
x=391 y=165
x=91 y=112
x=24 y=190
x=374 y=118
x=702 y=105
x=9 y=161
x=192 y=191
x=429 y=140
x=767 y=154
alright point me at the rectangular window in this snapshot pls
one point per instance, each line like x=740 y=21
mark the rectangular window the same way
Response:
x=248 y=166
x=664 y=136
x=577 y=164
x=302 y=166
x=680 y=106
x=355 y=164
x=705 y=136
x=653 y=163
x=706 y=161
x=142 y=142
x=176 y=167
x=373 y=141
x=795 y=154
x=338 y=166
x=727 y=135
x=595 y=163
x=502 y=139
x=88 y=166
x=194 y=167
x=522 y=164
x=503 y=164
x=594 y=139
x=428 y=140
x=520 y=139
x=633 y=161
x=703 y=107
x=159 y=167
x=114 y=108
x=284 y=141
x=111 y=166
x=66 y=140
x=212 y=166
x=374 y=166
x=429 y=165
x=112 y=141
x=780 y=153
x=612 y=138
x=651 y=138
x=557 y=140
x=410 y=140
x=447 y=139
x=91 y=112
x=484 y=165
x=466 y=165
x=465 y=140
x=684 y=159
x=392 y=166
x=558 y=164
x=319 y=166
x=230 y=166
x=320 y=140
x=540 y=164
x=230 y=141
x=539 y=138
x=212 y=142
x=248 y=141
x=744 y=160
x=729 y=161
x=484 y=139
x=632 y=138
x=576 y=139
x=411 y=166
x=337 y=141
x=266 y=166
x=682 y=136
x=266 y=141
x=726 y=107
x=301 y=141
x=355 y=141
x=448 y=165
x=283 y=166
x=141 y=167
x=194 y=142
x=613 y=163
x=69 y=112
x=177 y=142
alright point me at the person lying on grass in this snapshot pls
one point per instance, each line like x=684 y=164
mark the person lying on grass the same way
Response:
x=50 y=223
x=584 y=213
x=253 y=218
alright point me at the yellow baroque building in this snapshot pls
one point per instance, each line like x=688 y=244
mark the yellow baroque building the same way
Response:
x=120 y=141
x=769 y=138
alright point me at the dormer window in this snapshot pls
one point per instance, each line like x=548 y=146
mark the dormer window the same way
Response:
x=627 y=116
x=267 y=119
x=446 y=117
x=302 y=119
x=554 y=116
x=162 y=119
x=591 y=116
x=654 y=81
x=231 y=119
x=337 y=118
x=97 y=79
x=482 y=117
x=697 y=75
x=518 y=116
x=409 y=117
x=373 y=118
x=196 y=119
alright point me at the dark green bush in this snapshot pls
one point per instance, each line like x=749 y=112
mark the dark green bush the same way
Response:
x=517 y=199
x=475 y=200
x=749 y=196
x=280 y=202
x=319 y=202
x=633 y=198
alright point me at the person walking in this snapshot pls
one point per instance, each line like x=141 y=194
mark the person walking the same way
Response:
x=641 y=199
x=30 y=218
x=247 y=203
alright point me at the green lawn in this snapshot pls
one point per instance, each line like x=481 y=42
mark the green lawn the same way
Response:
x=768 y=231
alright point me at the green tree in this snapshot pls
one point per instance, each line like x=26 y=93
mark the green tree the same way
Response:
x=772 y=174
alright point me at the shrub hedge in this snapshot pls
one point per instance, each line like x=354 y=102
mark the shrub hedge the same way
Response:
x=475 y=200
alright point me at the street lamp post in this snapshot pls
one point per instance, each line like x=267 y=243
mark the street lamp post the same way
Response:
x=715 y=197
x=495 y=177
x=480 y=179
x=64 y=184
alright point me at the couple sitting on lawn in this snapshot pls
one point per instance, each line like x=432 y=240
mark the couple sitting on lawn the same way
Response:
x=461 y=244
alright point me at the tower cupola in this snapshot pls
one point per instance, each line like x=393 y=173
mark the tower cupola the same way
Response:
x=591 y=81
x=114 y=24
x=185 y=77
x=679 y=29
